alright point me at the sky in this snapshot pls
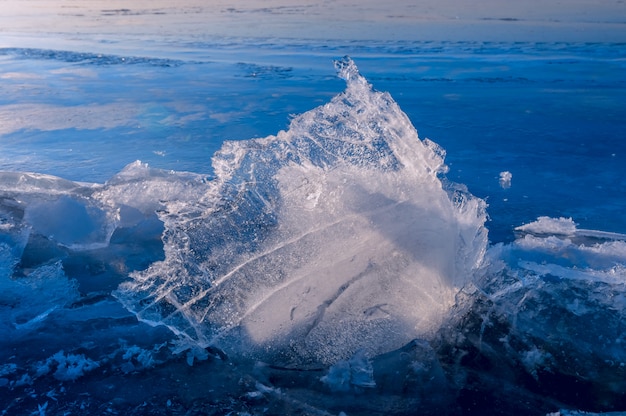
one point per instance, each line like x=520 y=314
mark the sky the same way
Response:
x=426 y=20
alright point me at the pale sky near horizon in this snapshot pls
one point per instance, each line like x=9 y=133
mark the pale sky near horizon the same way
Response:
x=454 y=20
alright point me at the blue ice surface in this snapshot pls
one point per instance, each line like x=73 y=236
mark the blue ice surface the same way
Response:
x=551 y=114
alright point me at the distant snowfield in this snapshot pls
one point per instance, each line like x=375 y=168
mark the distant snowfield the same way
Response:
x=437 y=20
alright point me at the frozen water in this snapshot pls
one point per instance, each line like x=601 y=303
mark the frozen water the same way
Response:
x=339 y=251
x=334 y=236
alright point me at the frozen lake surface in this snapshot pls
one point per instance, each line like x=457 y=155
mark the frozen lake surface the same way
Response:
x=262 y=225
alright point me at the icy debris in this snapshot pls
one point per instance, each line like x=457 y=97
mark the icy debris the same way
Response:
x=25 y=379
x=26 y=303
x=505 y=179
x=197 y=354
x=66 y=367
x=261 y=391
x=548 y=225
x=357 y=372
x=7 y=369
x=254 y=395
x=9 y=376
x=137 y=358
x=571 y=257
x=348 y=71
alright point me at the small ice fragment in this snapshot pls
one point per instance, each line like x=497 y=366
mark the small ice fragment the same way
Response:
x=196 y=353
x=338 y=377
x=7 y=369
x=345 y=375
x=505 y=179
x=547 y=225
x=24 y=380
x=68 y=367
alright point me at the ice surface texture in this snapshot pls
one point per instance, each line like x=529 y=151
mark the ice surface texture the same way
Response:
x=334 y=236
